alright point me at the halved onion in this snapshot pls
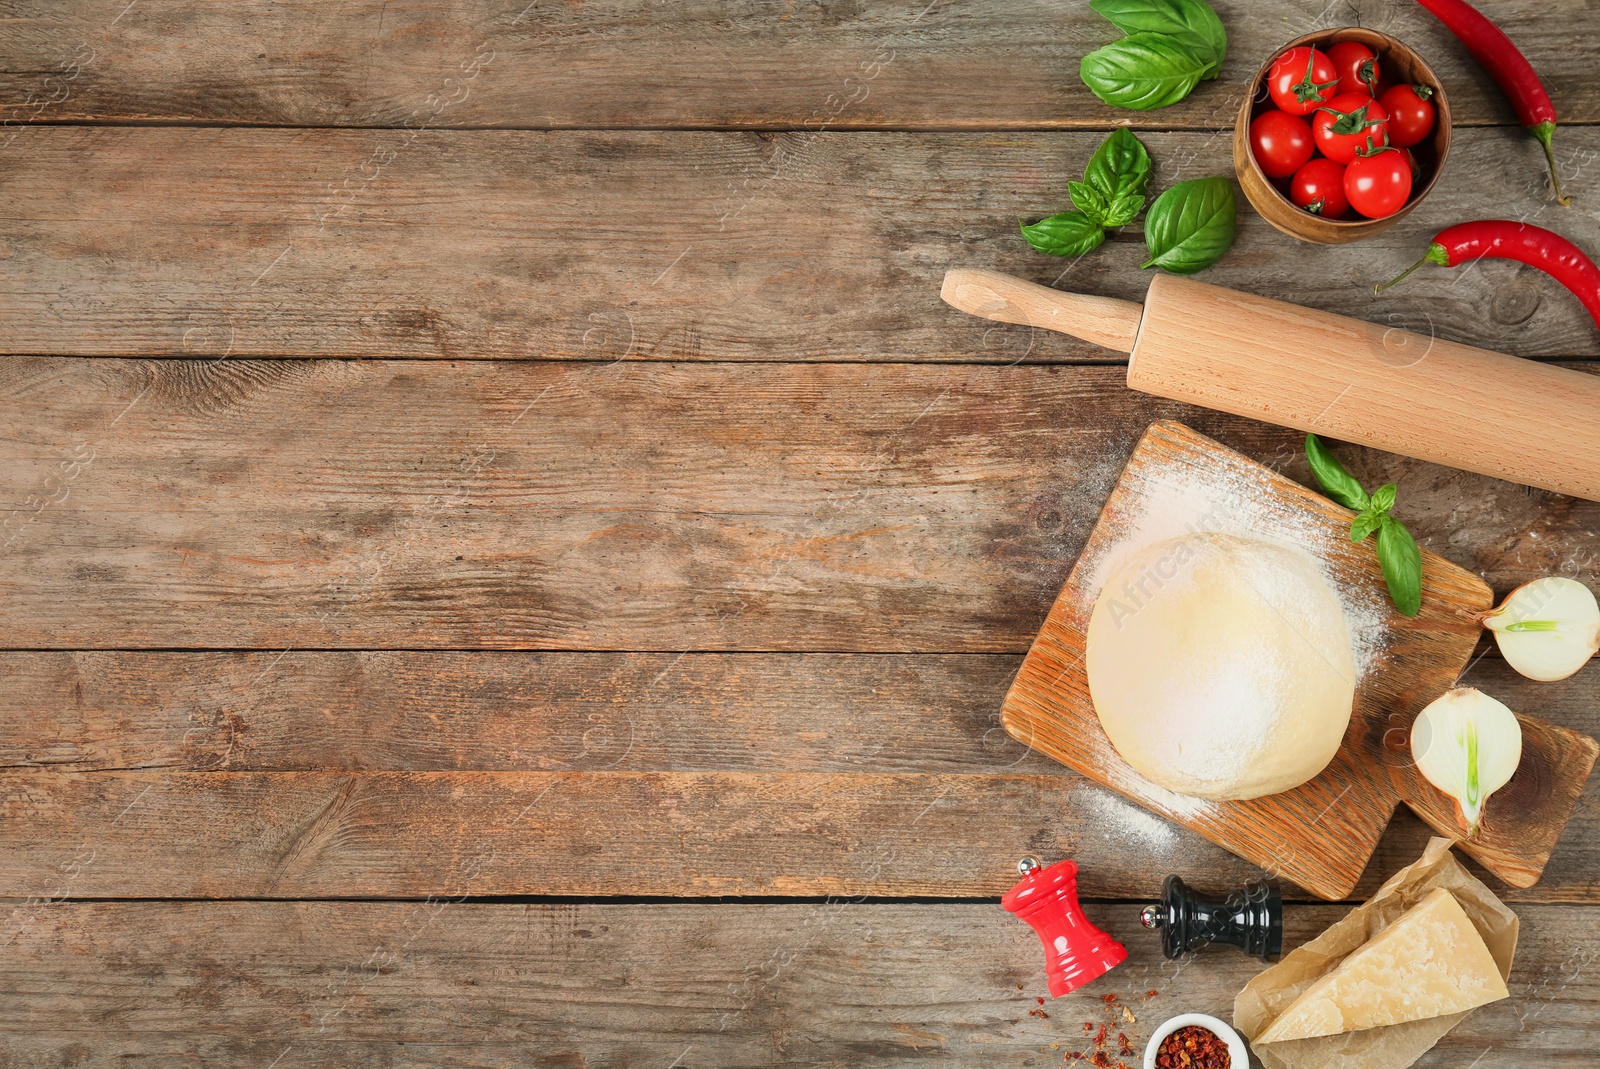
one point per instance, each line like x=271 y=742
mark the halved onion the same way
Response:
x=1546 y=629
x=1468 y=745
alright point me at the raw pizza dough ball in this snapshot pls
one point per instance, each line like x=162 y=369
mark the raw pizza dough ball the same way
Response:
x=1221 y=667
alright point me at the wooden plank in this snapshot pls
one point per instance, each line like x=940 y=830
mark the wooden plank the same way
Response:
x=815 y=984
x=449 y=711
x=409 y=834
x=676 y=246
x=644 y=507
x=699 y=713
x=869 y=63
x=511 y=711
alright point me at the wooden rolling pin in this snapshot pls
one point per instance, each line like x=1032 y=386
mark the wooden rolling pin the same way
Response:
x=1315 y=371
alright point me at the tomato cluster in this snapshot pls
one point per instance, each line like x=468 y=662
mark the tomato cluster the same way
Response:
x=1337 y=136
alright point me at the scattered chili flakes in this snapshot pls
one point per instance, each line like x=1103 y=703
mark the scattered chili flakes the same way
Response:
x=1193 y=1047
x=1104 y=1049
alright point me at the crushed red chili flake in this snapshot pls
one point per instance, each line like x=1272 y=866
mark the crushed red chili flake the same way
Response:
x=1041 y=999
x=1103 y=1048
x=1193 y=1047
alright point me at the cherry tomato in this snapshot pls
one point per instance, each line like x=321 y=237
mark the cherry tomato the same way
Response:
x=1379 y=184
x=1410 y=109
x=1301 y=79
x=1318 y=187
x=1344 y=125
x=1411 y=162
x=1357 y=66
x=1281 y=142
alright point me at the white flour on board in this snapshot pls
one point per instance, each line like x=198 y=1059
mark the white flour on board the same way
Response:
x=1173 y=502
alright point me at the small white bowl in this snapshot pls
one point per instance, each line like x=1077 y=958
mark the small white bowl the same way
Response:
x=1238 y=1053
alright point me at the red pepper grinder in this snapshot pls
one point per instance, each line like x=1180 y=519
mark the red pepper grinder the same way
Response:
x=1075 y=951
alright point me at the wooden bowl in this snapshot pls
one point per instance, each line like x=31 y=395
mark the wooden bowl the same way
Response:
x=1400 y=65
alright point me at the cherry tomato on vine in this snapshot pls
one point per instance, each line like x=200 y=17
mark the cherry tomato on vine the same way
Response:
x=1281 y=142
x=1344 y=126
x=1318 y=187
x=1357 y=66
x=1411 y=113
x=1379 y=184
x=1301 y=79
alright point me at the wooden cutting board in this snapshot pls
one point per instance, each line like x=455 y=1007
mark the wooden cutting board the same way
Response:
x=1321 y=834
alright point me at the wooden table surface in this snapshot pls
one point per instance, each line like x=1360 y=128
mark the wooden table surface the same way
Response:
x=509 y=562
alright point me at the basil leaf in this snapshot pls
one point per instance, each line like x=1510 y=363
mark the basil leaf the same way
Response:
x=1191 y=225
x=1364 y=524
x=1193 y=22
x=1090 y=202
x=1065 y=234
x=1401 y=562
x=1119 y=171
x=1144 y=71
x=1383 y=498
x=1336 y=482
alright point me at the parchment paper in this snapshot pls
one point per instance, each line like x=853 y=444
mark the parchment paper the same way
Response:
x=1393 y=1046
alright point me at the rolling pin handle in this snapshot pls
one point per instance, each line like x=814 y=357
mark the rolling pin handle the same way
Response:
x=1104 y=321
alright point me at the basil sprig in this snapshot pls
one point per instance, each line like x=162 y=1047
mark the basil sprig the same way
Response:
x=1172 y=45
x=1111 y=194
x=1116 y=178
x=1190 y=225
x=1398 y=554
x=1192 y=22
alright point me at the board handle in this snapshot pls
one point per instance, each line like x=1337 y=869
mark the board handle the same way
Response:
x=1104 y=321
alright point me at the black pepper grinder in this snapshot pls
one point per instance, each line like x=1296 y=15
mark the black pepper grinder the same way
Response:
x=1251 y=919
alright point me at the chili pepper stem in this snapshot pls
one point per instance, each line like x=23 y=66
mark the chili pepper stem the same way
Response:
x=1435 y=255
x=1542 y=133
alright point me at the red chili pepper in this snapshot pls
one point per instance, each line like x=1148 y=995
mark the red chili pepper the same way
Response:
x=1507 y=66
x=1504 y=240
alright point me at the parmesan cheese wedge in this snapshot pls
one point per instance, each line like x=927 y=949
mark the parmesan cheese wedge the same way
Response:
x=1428 y=963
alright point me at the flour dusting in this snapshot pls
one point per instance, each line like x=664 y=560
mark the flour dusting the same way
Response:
x=1171 y=501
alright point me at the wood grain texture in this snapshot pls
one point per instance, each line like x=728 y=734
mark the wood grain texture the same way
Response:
x=841 y=715
x=1321 y=833
x=410 y=834
x=632 y=506
x=805 y=984
x=508 y=711
x=1347 y=378
x=704 y=63
x=667 y=246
